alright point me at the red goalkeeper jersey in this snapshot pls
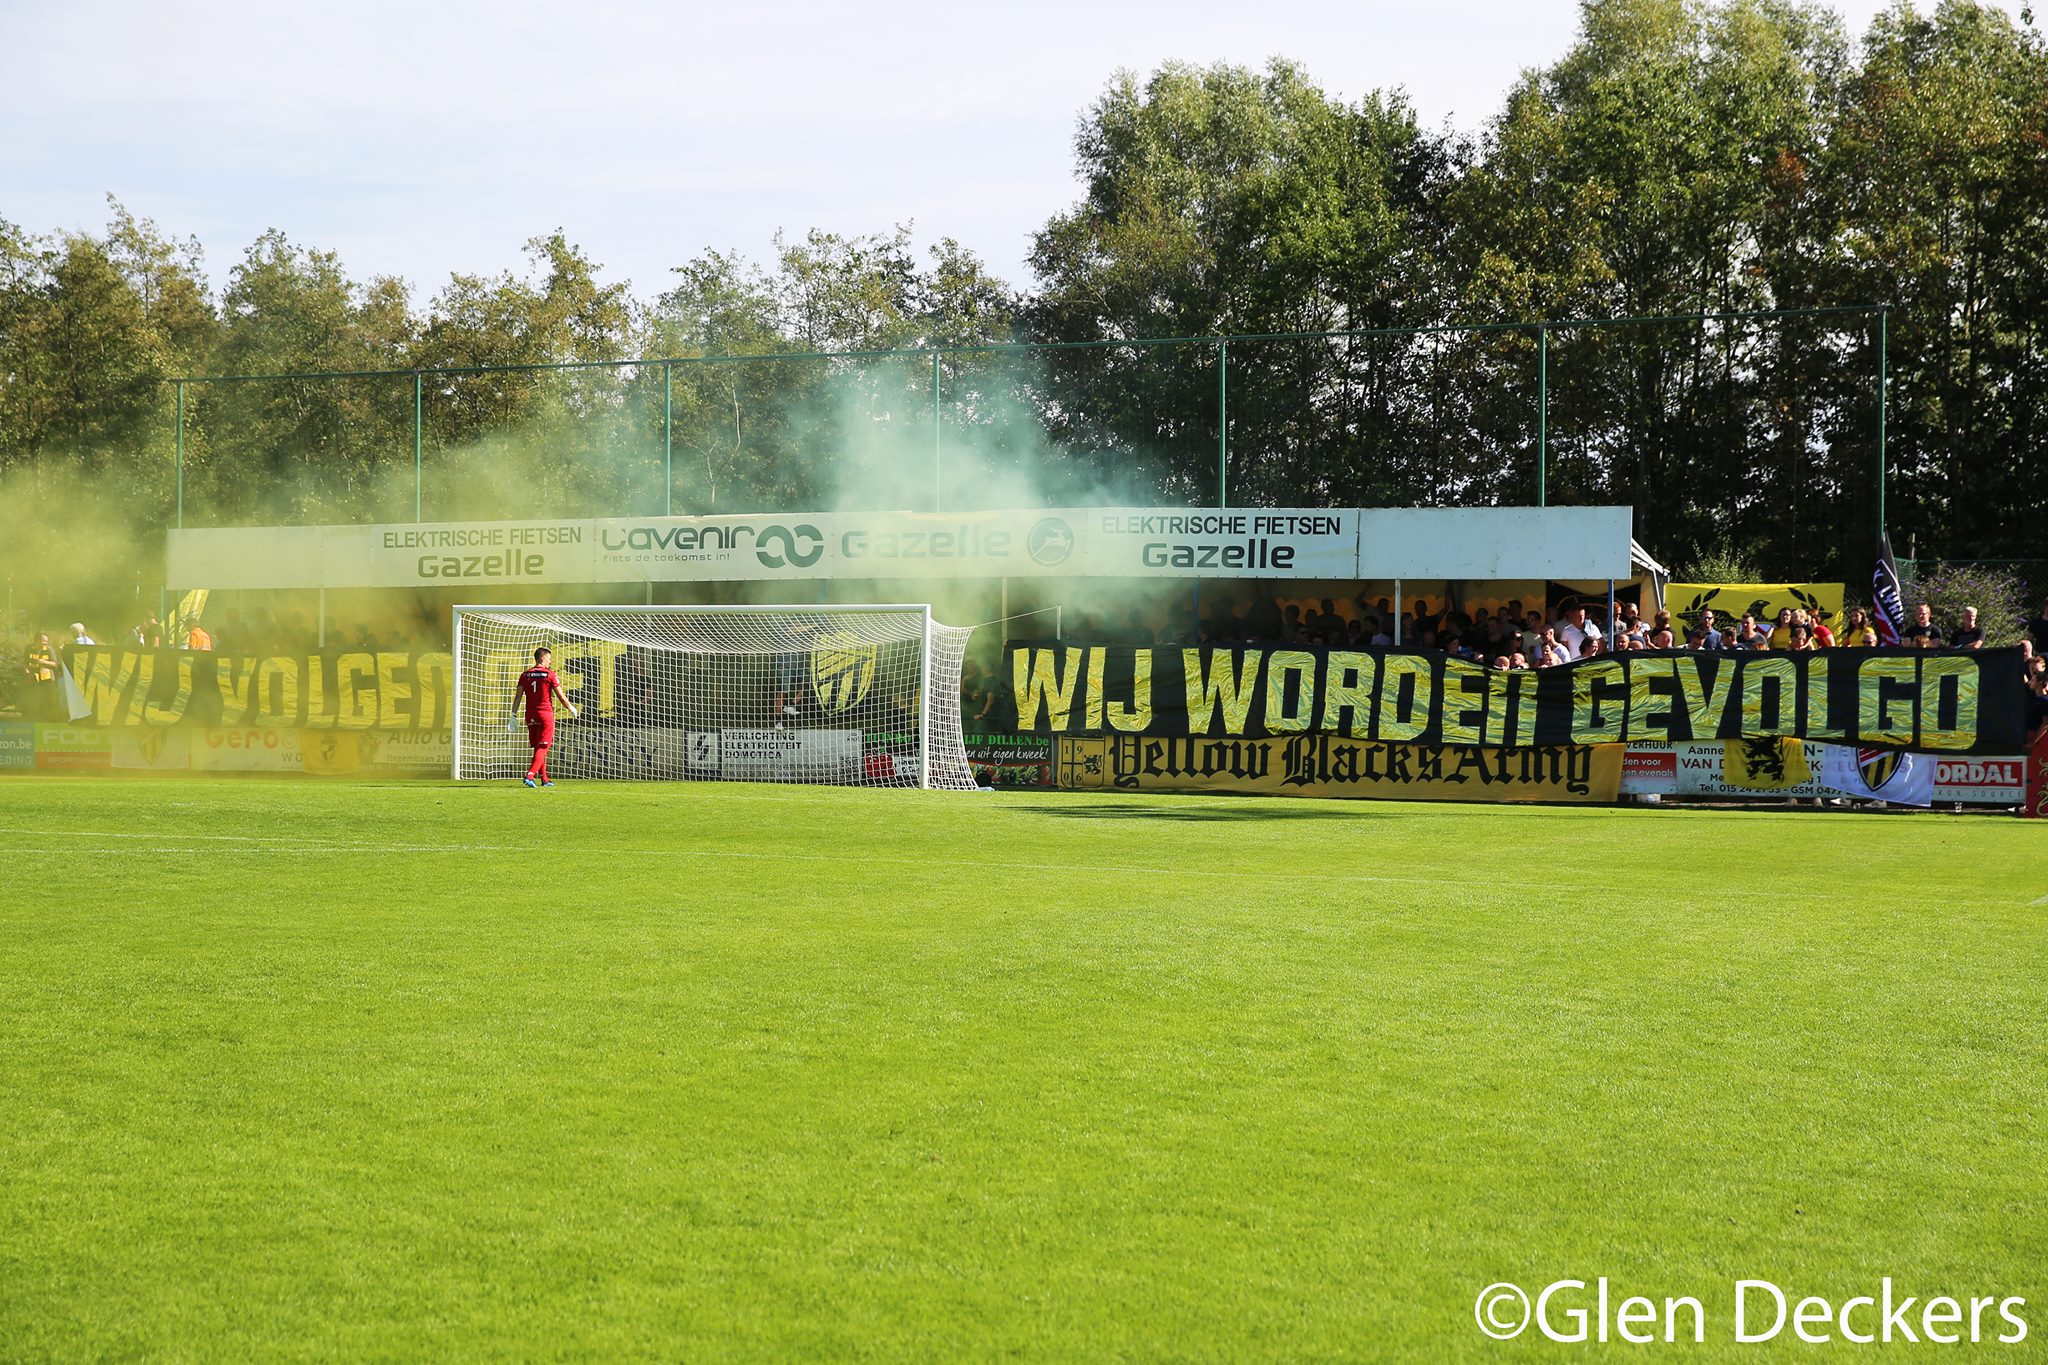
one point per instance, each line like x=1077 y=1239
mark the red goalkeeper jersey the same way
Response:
x=537 y=689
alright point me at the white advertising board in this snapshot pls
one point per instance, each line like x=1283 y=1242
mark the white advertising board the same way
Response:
x=1099 y=542
x=1483 y=543
x=770 y=755
x=1126 y=542
x=1992 y=781
x=740 y=754
x=1700 y=770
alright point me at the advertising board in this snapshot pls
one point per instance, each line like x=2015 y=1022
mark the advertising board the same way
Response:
x=1269 y=543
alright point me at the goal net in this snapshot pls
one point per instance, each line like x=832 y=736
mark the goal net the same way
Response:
x=855 y=695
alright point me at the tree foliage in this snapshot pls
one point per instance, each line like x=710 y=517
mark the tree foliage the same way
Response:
x=1684 y=157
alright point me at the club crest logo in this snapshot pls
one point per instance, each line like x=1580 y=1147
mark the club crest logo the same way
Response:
x=1051 y=541
x=842 y=670
x=1878 y=766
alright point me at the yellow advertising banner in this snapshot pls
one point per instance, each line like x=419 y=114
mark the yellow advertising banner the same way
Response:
x=1728 y=601
x=1330 y=765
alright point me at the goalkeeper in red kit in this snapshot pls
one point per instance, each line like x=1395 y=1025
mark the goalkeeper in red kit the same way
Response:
x=538 y=690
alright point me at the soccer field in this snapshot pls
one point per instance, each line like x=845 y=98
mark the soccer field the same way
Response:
x=305 y=1069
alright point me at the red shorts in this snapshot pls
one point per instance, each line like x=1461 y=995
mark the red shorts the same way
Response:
x=540 y=731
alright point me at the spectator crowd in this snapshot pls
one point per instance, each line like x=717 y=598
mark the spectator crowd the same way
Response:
x=1511 y=637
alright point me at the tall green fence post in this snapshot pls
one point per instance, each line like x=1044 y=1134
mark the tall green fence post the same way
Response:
x=1223 y=424
x=668 y=439
x=181 y=454
x=418 y=501
x=1542 y=416
x=1883 y=467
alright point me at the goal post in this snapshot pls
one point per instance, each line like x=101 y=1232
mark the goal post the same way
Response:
x=854 y=695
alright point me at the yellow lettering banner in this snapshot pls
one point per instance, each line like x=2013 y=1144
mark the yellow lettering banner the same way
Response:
x=1329 y=765
x=1932 y=701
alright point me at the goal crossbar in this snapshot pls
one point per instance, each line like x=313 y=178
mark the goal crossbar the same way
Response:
x=660 y=609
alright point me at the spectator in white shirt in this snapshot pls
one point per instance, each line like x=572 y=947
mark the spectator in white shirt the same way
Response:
x=1576 y=631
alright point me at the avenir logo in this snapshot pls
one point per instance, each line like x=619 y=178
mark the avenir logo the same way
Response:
x=789 y=555
x=775 y=545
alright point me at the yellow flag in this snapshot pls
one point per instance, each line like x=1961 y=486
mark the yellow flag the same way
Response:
x=1083 y=763
x=1822 y=602
x=189 y=608
x=1764 y=764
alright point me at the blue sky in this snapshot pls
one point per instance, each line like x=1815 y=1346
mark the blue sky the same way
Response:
x=418 y=139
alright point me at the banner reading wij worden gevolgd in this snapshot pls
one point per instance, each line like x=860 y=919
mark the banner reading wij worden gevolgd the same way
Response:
x=1963 y=702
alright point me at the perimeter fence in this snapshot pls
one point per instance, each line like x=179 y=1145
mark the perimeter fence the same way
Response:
x=1764 y=429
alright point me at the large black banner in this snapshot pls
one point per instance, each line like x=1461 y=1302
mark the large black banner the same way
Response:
x=1934 y=701
x=385 y=689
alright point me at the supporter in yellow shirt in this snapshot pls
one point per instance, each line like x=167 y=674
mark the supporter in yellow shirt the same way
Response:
x=40 y=665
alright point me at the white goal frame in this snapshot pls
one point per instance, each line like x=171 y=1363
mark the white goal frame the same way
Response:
x=922 y=609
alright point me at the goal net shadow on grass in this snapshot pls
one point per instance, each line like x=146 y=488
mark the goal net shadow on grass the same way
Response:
x=845 y=695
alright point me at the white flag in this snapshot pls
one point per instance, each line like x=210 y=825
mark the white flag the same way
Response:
x=75 y=704
x=1875 y=774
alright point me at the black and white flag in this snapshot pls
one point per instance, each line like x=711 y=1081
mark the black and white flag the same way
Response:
x=1884 y=594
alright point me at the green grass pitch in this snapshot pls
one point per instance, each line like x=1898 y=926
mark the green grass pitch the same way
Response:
x=698 y=1072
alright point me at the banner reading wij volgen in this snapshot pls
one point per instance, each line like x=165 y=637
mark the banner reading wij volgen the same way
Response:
x=343 y=690
x=1960 y=702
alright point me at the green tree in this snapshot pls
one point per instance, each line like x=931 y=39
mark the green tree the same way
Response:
x=723 y=306
x=84 y=453
x=1682 y=157
x=845 y=430
x=168 y=276
x=82 y=363
x=1649 y=172
x=300 y=449
x=537 y=439
x=1224 y=200
x=1938 y=168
